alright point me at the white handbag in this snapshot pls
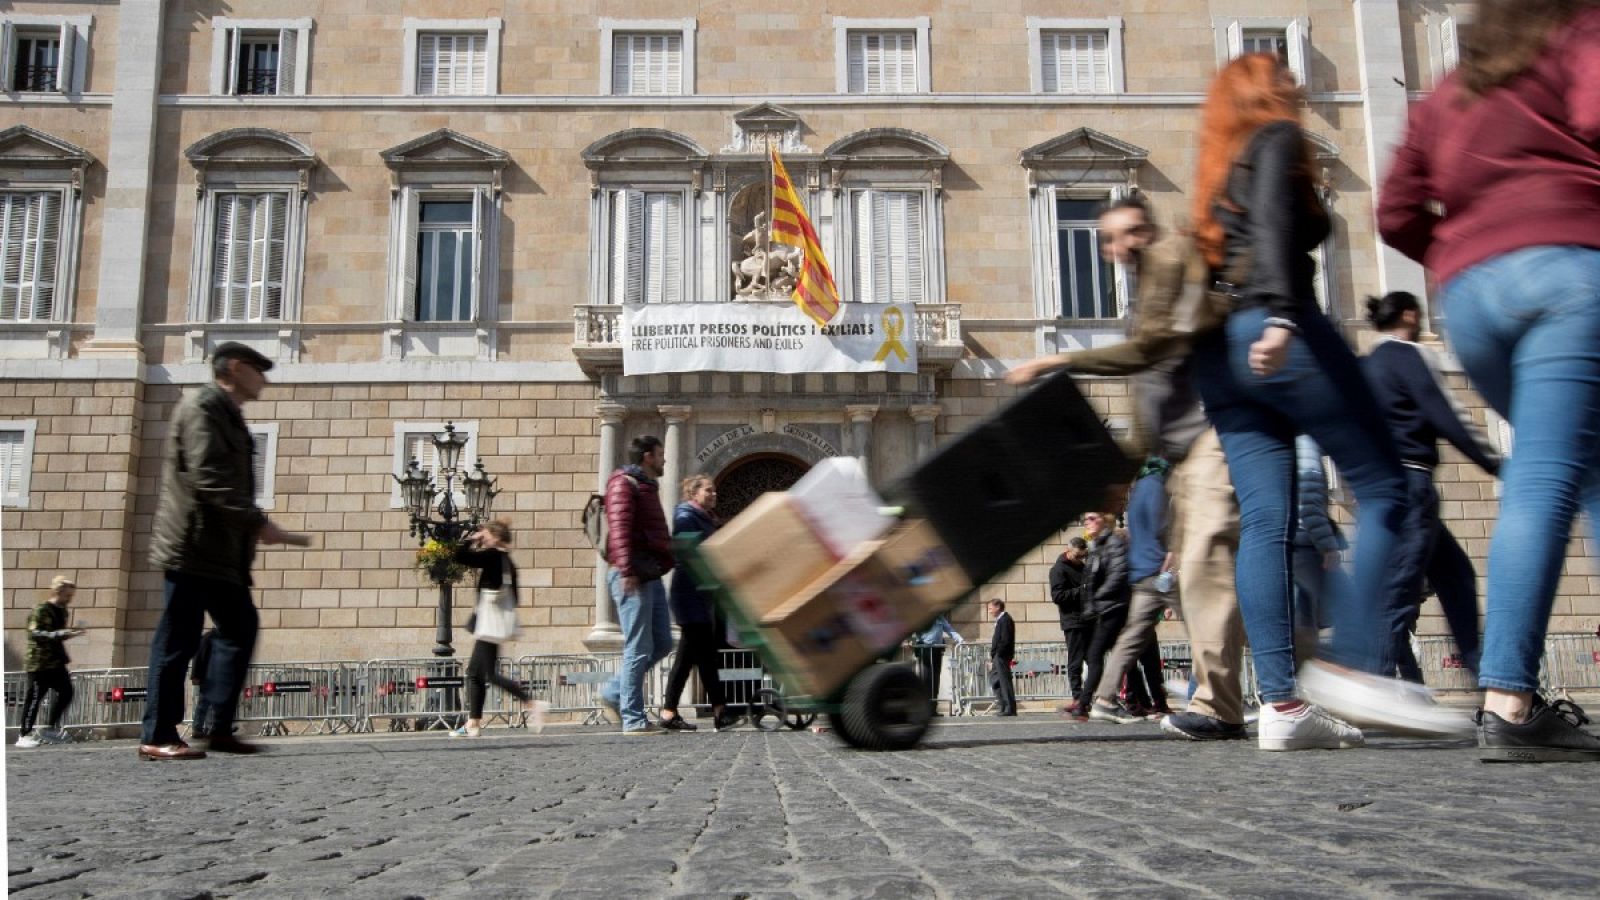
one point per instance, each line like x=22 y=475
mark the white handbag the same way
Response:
x=497 y=616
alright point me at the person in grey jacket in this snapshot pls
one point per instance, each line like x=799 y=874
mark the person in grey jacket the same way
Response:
x=1109 y=596
x=207 y=527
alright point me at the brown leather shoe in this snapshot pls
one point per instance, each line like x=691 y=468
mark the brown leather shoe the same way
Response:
x=178 y=750
x=227 y=743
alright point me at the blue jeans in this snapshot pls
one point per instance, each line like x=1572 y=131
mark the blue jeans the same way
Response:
x=1526 y=327
x=1320 y=391
x=189 y=600
x=646 y=640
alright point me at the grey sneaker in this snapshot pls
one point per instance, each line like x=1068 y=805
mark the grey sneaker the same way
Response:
x=58 y=736
x=646 y=728
x=1114 y=712
x=1553 y=733
x=1200 y=727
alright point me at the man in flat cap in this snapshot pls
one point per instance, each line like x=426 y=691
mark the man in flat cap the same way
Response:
x=207 y=526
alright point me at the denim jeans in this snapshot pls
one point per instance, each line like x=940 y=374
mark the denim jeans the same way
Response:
x=1526 y=327
x=189 y=600
x=1319 y=391
x=646 y=640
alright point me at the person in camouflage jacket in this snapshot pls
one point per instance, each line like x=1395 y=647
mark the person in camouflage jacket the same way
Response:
x=46 y=664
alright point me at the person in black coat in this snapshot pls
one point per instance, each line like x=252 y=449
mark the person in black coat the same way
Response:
x=1109 y=595
x=697 y=630
x=1068 y=592
x=486 y=550
x=1002 y=652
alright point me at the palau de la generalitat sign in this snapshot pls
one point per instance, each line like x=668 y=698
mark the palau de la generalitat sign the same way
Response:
x=749 y=337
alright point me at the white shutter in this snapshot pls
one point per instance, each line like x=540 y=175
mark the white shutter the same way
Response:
x=629 y=250
x=13 y=211
x=1050 y=62
x=856 y=63
x=861 y=219
x=1235 y=39
x=230 y=64
x=288 y=59
x=1297 y=42
x=276 y=239
x=1449 y=51
x=1100 y=56
x=258 y=463
x=222 y=258
x=409 y=211
x=428 y=64
x=419 y=446
x=8 y=50
x=482 y=222
x=477 y=50
x=622 y=64
x=11 y=463
x=46 y=250
x=913 y=248
x=64 y=55
x=664 y=237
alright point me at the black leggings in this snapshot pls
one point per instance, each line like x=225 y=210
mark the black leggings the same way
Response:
x=483 y=671
x=697 y=649
x=56 y=680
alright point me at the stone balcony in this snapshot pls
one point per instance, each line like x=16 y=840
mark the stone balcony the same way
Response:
x=597 y=342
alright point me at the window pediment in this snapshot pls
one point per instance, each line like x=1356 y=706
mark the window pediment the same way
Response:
x=25 y=150
x=444 y=148
x=886 y=154
x=766 y=117
x=652 y=145
x=1083 y=154
x=246 y=147
x=1324 y=150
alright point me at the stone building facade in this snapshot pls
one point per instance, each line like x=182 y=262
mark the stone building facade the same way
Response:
x=430 y=211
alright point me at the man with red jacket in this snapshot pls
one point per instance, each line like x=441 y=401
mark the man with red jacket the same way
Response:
x=639 y=549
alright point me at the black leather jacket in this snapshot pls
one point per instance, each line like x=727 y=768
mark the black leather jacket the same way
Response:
x=1108 y=574
x=1278 y=220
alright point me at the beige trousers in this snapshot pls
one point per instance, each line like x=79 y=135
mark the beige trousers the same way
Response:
x=1206 y=535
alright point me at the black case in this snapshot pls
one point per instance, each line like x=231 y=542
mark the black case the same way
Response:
x=1016 y=479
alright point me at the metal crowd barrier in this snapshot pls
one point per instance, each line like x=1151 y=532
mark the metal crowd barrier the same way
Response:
x=419 y=694
x=1041 y=673
x=1571 y=663
x=317 y=697
x=1442 y=666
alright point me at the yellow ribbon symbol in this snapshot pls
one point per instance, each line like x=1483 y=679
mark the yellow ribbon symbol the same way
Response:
x=894 y=322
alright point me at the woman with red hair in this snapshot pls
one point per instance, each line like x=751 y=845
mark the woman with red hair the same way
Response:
x=1279 y=368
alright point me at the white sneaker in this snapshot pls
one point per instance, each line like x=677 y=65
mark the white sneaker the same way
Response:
x=29 y=740
x=535 y=711
x=1387 y=703
x=1308 y=729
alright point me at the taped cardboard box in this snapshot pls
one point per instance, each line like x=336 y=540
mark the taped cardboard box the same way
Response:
x=767 y=554
x=863 y=607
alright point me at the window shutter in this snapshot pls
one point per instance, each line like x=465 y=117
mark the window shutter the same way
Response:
x=288 y=59
x=861 y=219
x=10 y=463
x=230 y=63
x=914 y=245
x=8 y=50
x=482 y=221
x=1448 y=48
x=655 y=63
x=629 y=250
x=622 y=64
x=10 y=255
x=477 y=49
x=64 y=62
x=883 y=268
x=1296 y=40
x=856 y=53
x=428 y=64
x=258 y=463
x=666 y=269
x=672 y=64
x=1050 y=62
x=222 y=258
x=408 y=254
x=46 y=252
x=1100 y=60
x=1235 y=39
x=276 y=237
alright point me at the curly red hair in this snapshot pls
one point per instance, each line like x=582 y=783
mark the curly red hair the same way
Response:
x=1249 y=92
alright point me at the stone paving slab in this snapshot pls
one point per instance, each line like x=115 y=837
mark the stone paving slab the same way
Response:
x=1029 y=807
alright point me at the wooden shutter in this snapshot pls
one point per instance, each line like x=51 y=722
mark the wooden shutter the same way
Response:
x=1449 y=51
x=622 y=64
x=46 y=245
x=856 y=62
x=258 y=463
x=288 y=60
x=1235 y=39
x=11 y=463
x=914 y=248
x=428 y=64
x=663 y=239
x=409 y=212
x=483 y=220
x=628 y=247
x=1050 y=62
x=1297 y=44
x=8 y=50
x=230 y=63
x=64 y=58
x=275 y=238
x=13 y=213
x=475 y=49
x=222 y=257
x=864 y=268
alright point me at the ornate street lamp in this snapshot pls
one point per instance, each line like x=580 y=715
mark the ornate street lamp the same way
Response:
x=418 y=492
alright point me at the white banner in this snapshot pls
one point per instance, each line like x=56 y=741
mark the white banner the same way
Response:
x=750 y=337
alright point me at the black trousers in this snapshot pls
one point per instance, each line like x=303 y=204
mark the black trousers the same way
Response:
x=930 y=659
x=1106 y=629
x=1005 y=692
x=56 y=681
x=189 y=600
x=1077 y=651
x=1426 y=550
x=1145 y=686
x=697 y=650
x=483 y=670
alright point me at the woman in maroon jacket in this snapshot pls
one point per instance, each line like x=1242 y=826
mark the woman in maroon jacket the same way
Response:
x=1497 y=189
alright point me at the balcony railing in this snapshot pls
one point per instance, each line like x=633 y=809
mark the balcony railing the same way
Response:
x=35 y=78
x=597 y=335
x=258 y=82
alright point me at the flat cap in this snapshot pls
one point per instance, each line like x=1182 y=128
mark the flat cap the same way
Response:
x=236 y=350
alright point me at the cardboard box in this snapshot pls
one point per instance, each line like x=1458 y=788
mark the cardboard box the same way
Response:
x=863 y=607
x=836 y=498
x=767 y=554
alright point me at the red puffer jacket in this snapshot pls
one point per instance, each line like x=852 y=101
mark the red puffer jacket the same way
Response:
x=635 y=522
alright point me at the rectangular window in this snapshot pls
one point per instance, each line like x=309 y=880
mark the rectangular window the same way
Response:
x=1076 y=62
x=1088 y=282
x=259 y=57
x=647 y=64
x=1287 y=38
x=647 y=247
x=446 y=238
x=257 y=69
x=453 y=64
x=264 y=461
x=248 y=257
x=414 y=440
x=1267 y=40
x=16 y=462
x=889 y=261
x=30 y=232
x=882 y=62
x=37 y=66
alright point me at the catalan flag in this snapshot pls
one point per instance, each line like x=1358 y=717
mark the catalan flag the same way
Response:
x=814 y=291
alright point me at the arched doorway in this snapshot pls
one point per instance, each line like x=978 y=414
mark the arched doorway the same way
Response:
x=752 y=476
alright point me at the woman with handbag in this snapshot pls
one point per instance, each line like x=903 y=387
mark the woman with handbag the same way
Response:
x=494 y=622
x=1278 y=367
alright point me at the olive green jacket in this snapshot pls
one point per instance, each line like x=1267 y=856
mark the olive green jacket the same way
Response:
x=47 y=632
x=207 y=518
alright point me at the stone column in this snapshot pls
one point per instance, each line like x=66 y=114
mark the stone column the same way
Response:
x=1384 y=110
x=861 y=415
x=924 y=415
x=607 y=634
x=676 y=417
x=135 y=88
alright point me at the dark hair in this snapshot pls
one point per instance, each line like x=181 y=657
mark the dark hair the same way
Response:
x=1384 y=312
x=1508 y=35
x=1078 y=543
x=642 y=446
x=1128 y=201
x=998 y=602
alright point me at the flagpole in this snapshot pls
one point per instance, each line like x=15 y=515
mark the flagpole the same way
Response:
x=772 y=177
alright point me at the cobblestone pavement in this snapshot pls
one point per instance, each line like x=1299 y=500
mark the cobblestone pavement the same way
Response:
x=1031 y=807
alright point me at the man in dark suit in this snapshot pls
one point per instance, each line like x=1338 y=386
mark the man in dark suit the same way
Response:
x=1002 y=650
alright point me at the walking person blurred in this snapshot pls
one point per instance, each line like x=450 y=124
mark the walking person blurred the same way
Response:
x=198 y=724
x=46 y=664
x=1278 y=367
x=639 y=549
x=1109 y=596
x=1405 y=378
x=487 y=550
x=1496 y=188
x=1149 y=565
x=698 y=638
x=1319 y=547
